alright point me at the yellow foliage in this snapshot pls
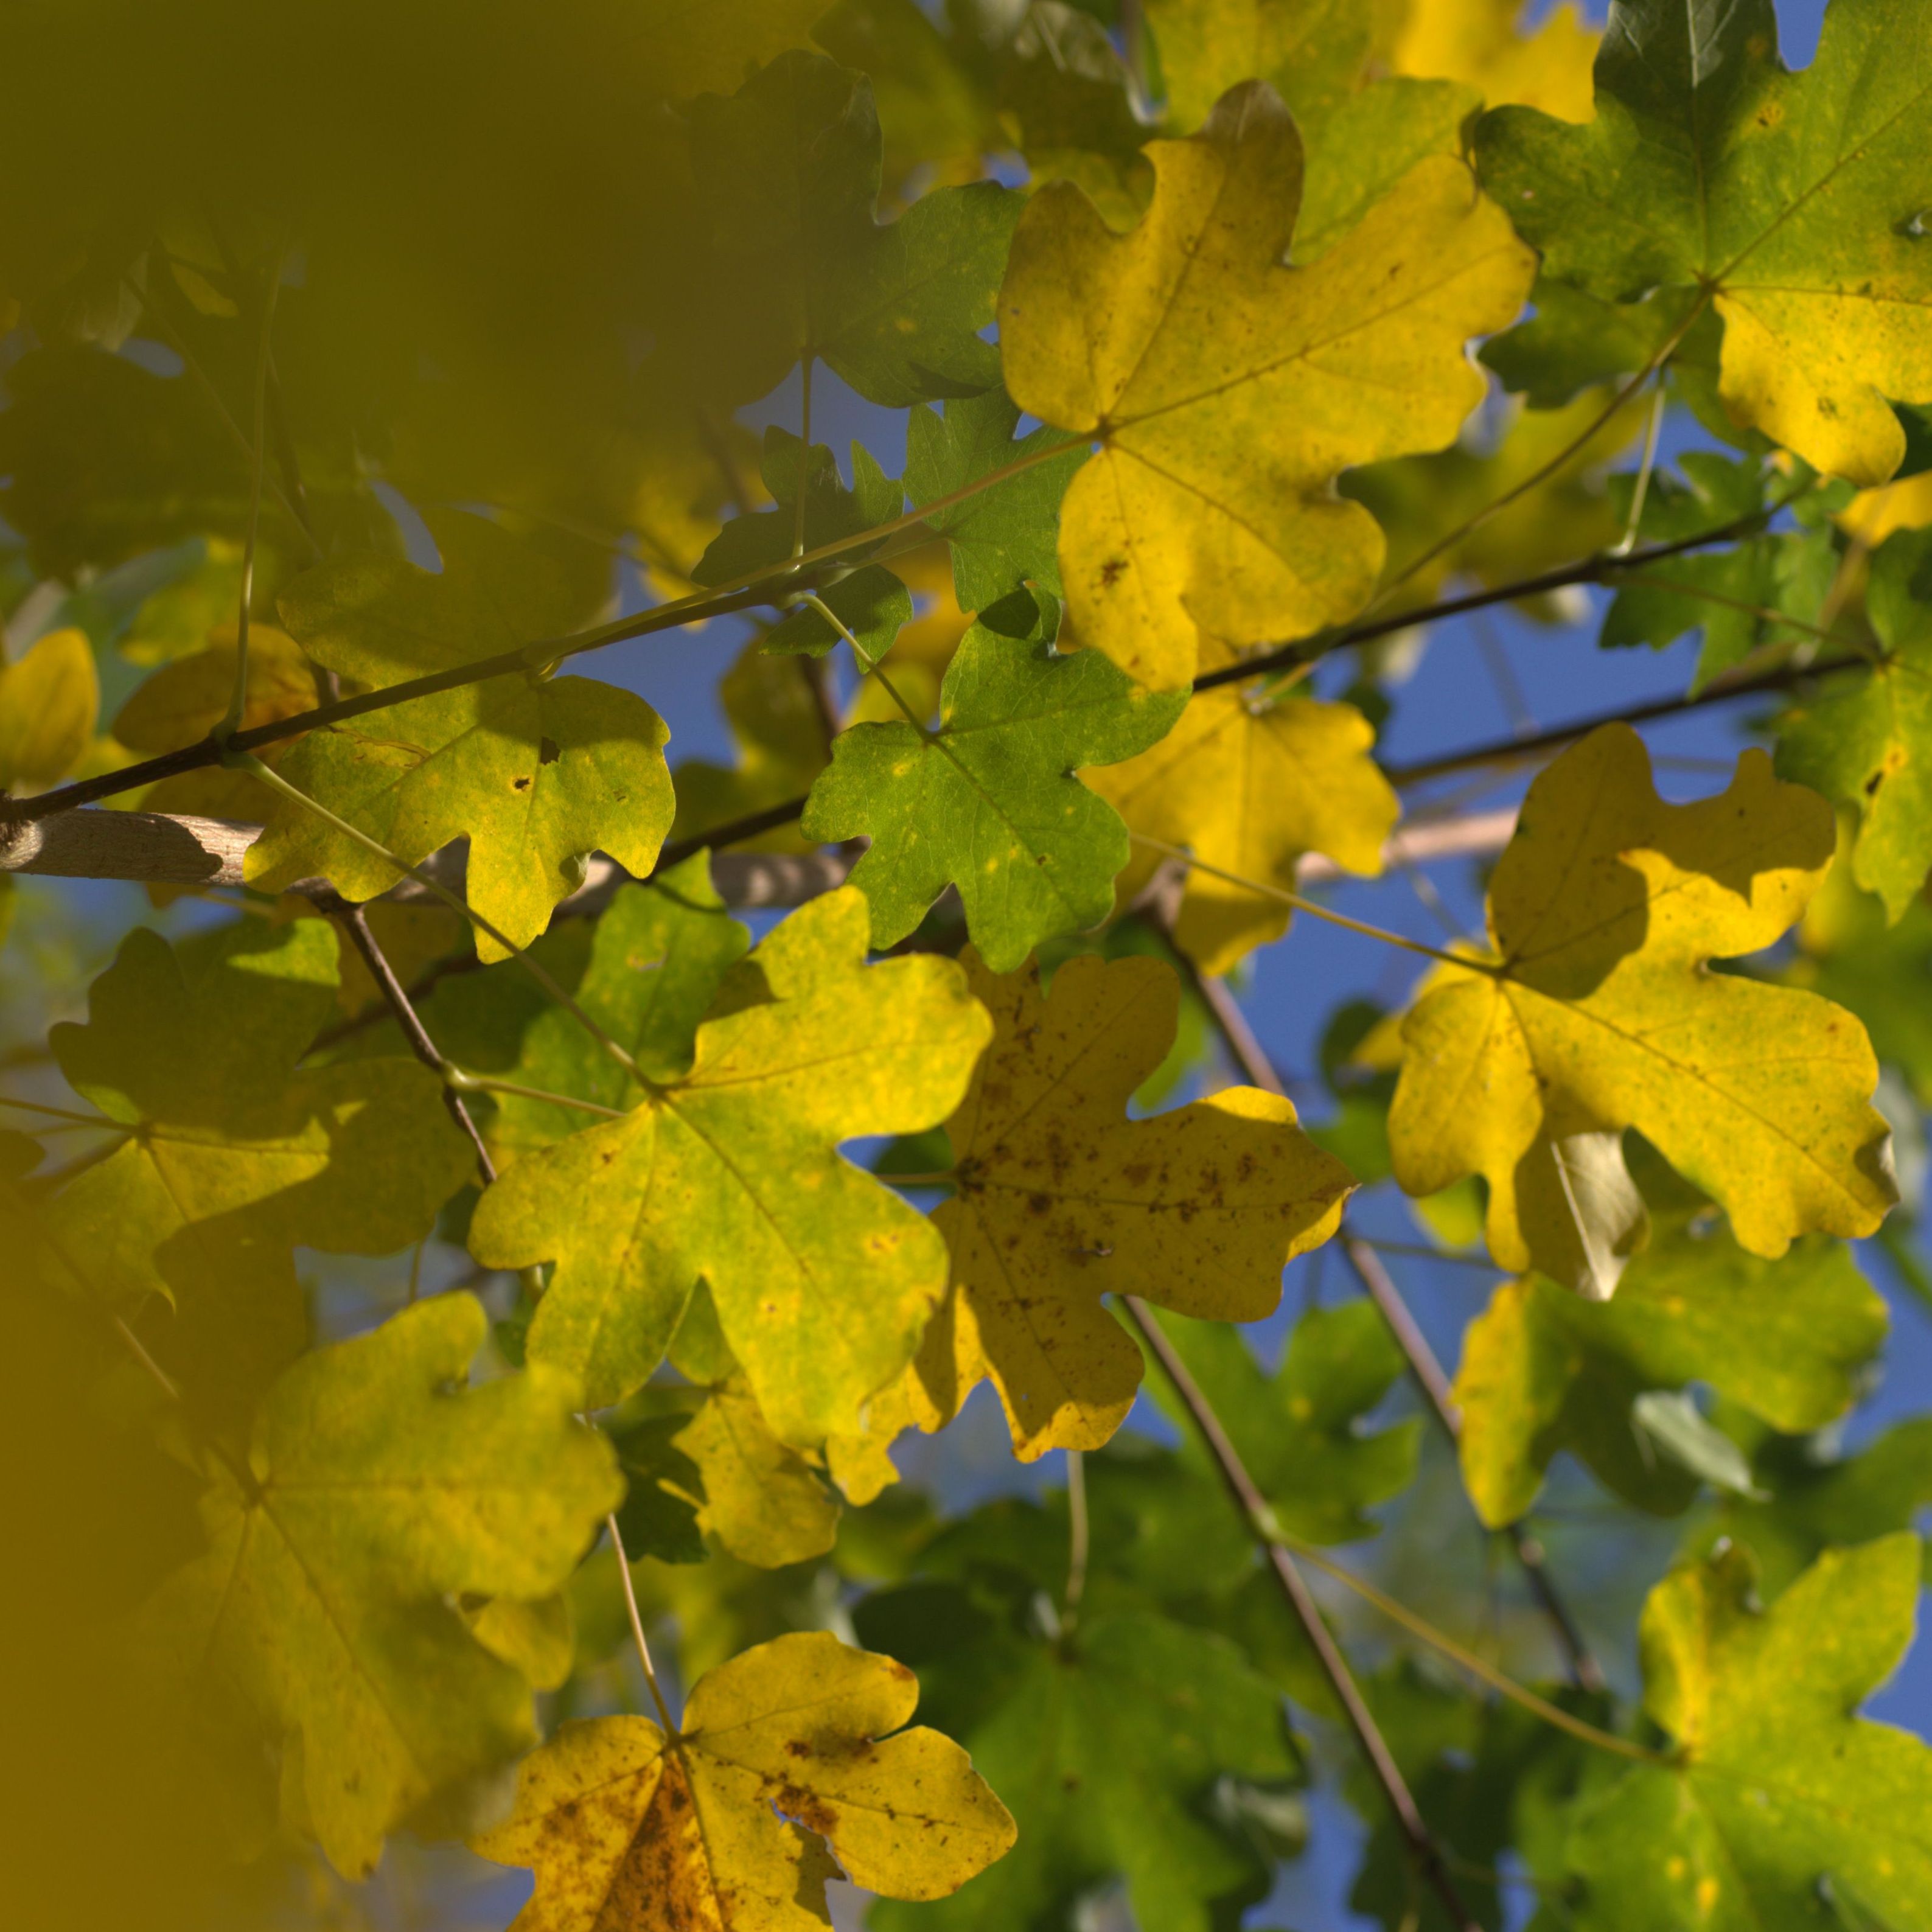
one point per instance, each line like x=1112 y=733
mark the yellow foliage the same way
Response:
x=48 y=699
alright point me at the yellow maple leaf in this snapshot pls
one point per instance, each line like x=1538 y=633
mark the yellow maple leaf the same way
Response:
x=724 y=1827
x=1481 y=43
x=1061 y=1200
x=49 y=696
x=1873 y=515
x=1225 y=390
x=1601 y=1013
x=1250 y=788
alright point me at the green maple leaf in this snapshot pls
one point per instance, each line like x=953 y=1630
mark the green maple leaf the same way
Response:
x=1790 y=202
x=1299 y=1430
x=1117 y=1754
x=1779 y=1794
x=868 y=600
x=536 y=772
x=378 y=1487
x=233 y=1158
x=1866 y=740
x=1006 y=536
x=1543 y=1371
x=988 y=801
x=789 y=168
x=645 y=971
x=823 y=1279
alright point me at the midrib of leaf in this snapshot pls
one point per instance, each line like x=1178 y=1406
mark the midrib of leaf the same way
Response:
x=1693 y=1074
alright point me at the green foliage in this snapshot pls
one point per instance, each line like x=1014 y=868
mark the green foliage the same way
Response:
x=481 y=1351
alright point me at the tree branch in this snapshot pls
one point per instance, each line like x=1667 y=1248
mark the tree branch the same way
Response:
x=1255 y=1511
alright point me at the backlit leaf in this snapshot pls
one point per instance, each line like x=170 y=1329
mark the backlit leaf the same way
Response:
x=379 y=1487
x=1787 y=201
x=49 y=696
x=1060 y=1200
x=1780 y=1787
x=536 y=772
x=700 y=1830
x=989 y=802
x=1226 y=390
x=1600 y=1013
x=822 y=1280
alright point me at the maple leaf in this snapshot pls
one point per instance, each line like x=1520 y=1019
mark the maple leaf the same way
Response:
x=233 y=1156
x=536 y=772
x=787 y=1755
x=868 y=600
x=1481 y=43
x=1249 y=787
x=645 y=971
x=1061 y=1201
x=1866 y=740
x=1310 y=52
x=1788 y=201
x=378 y=1487
x=988 y=801
x=822 y=1279
x=1107 y=1750
x=49 y=696
x=788 y=168
x=1002 y=538
x=1300 y=1430
x=1779 y=1794
x=1542 y=1370
x=1226 y=390
x=1600 y=1013
x=779 y=732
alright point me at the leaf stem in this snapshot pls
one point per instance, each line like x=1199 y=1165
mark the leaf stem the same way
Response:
x=247 y=761
x=461 y=1081
x=1315 y=909
x=1421 y=1845
x=62 y=1114
x=1625 y=543
x=354 y=922
x=1077 y=1539
x=637 y=1625
x=237 y=700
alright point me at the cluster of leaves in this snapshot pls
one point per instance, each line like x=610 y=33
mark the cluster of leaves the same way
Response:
x=319 y=458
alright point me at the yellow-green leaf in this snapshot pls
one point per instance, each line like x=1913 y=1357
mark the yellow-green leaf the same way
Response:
x=1482 y=44
x=1601 y=1012
x=822 y=1280
x=379 y=1487
x=49 y=696
x=536 y=772
x=1061 y=1200
x=1226 y=390
x=1782 y=1798
x=783 y=1759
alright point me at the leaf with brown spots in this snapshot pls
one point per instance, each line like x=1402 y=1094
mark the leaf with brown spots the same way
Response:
x=719 y=1829
x=1061 y=1200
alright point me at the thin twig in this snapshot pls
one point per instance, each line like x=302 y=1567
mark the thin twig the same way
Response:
x=238 y=699
x=1585 y=1671
x=637 y=1624
x=1510 y=751
x=1253 y=1506
x=354 y=922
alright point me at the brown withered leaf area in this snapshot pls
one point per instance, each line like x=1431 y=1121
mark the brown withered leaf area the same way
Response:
x=1062 y=1200
x=786 y=1758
